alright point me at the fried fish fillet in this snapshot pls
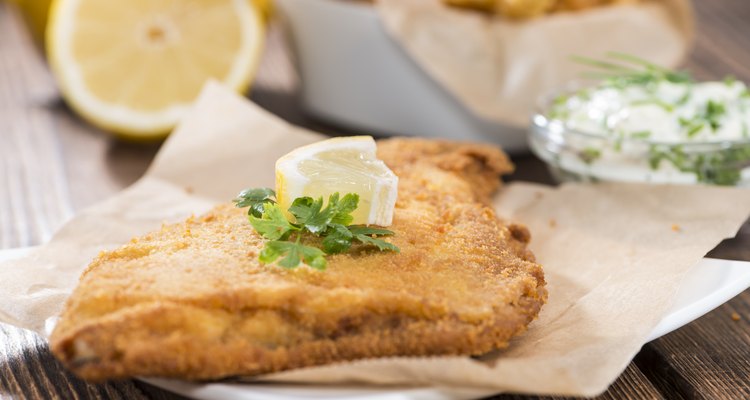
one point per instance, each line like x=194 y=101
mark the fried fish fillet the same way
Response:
x=192 y=301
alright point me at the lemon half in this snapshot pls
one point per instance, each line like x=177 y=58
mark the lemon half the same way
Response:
x=343 y=165
x=133 y=67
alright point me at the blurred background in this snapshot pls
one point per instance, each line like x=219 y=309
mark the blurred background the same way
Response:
x=69 y=88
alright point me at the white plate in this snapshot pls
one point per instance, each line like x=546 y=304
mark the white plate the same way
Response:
x=709 y=284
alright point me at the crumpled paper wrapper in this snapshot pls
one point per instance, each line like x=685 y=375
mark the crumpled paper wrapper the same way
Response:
x=498 y=68
x=612 y=258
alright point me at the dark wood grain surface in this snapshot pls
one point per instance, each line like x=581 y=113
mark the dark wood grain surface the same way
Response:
x=705 y=359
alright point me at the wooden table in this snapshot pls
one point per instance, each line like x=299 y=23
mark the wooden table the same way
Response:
x=53 y=164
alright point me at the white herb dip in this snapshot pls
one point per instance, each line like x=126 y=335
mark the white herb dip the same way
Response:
x=662 y=112
x=646 y=123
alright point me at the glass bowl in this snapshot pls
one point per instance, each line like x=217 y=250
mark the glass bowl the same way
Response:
x=574 y=155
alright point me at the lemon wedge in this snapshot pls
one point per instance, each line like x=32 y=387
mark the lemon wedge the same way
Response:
x=133 y=67
x=343 y=165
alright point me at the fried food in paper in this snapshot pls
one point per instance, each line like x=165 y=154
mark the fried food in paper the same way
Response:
x=192 y=301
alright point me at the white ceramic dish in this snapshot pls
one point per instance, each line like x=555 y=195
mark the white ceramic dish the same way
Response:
x=353 y=74
x=709 y=284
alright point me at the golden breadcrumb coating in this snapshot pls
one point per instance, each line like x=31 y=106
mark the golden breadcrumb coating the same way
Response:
x=192 y=301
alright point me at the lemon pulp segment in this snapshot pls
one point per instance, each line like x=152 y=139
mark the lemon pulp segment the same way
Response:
x=343 y=165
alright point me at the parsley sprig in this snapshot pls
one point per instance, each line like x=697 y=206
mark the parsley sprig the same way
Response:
x=312 y=222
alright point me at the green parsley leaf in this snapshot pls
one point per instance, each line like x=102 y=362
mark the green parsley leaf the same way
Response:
x=342 y=210
x=313 y=257
x=369 y=235
x=256 y=199
x=273 y=223
x=293 y=253
x=272 y=251
x=369 y=230
x=379 y=243
x=338 y=239
x=309 y=214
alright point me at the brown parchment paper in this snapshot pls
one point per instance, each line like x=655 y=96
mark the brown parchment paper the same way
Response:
x=497 y=67
x=612 y=259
